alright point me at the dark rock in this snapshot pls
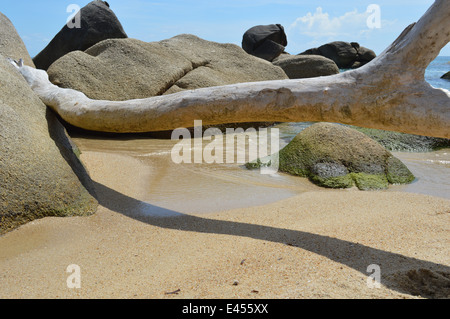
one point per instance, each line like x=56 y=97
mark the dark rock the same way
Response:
x=365 y=55
x=342 y=53
x=345 y=55
x=265 y=41
x=355 y=45
x=98 y=22
x=313 y=51
x=446 y=76
x=328 y=170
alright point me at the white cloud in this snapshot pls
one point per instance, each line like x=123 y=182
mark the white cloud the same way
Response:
x=320 y=25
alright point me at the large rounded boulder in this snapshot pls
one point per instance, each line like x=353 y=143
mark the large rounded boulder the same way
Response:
x=40 y=173
x=306 y=66
x=265 y=41
x=123 y=69
x=336 y=156
x=11 y=45
x=97 y=22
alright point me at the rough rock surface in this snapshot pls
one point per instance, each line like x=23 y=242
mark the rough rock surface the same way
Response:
x=40 y=175
x=123 y=69
x=346 y=55
x=337 y=156
x=11 y=45
x=401 y=142
x=306 y=66
x=265 y=41
x=97 y=22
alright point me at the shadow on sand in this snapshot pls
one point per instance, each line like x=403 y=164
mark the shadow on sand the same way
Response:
x=401 y=273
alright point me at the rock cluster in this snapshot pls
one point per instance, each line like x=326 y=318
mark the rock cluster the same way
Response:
x=268 y=42
x=40 y=172
x=345 y=55
x=124 y=69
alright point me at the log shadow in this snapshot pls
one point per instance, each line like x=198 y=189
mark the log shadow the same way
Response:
x=401 y=273
x=66 y=148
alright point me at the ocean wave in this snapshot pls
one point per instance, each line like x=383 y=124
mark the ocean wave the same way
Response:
x=159 y=153
x=439 y=162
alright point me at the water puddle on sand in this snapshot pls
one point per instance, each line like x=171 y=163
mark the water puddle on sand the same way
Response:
x=432 y=172
x=198 y=188
x=206 y=188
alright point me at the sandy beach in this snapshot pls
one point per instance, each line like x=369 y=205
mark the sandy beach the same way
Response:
x=316 y=244
x=174 y=226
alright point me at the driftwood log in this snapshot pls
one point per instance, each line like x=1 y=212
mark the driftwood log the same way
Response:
x=389 y=93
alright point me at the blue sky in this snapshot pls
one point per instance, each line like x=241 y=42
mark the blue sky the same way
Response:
x=307 y=23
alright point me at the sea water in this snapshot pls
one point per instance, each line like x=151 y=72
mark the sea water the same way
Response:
x=432 y=169
x=436 y=70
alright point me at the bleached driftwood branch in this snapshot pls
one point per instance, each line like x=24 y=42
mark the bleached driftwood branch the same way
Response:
x=388 y=93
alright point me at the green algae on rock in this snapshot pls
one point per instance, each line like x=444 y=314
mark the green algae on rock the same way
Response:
x=402 y=142
x=336 y=156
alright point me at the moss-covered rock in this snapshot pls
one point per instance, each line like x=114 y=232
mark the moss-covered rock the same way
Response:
x=367 y=182
x=337 y=156
x=402 y=142
x=397 y=172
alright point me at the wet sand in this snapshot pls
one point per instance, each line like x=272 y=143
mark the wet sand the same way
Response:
x=305 y=242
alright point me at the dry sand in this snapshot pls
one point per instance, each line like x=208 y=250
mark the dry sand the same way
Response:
x=318 y=244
